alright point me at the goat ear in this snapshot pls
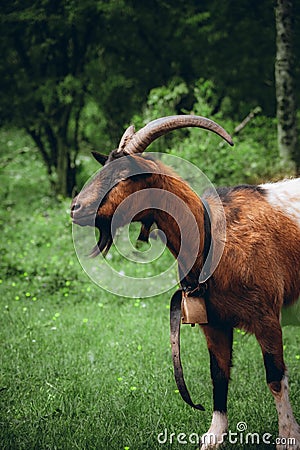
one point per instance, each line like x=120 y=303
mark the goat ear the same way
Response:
x=100 y=157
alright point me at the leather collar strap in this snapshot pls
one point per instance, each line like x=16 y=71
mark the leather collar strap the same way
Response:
x=175 y=313
x=207 y=230
x=208 y=243
x=198 y=287
x=175 y=320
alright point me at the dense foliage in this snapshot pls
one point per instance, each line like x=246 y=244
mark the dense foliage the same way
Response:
x=74 y=73
x=253 y=159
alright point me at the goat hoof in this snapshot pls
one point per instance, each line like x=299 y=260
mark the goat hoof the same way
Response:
x=288 y=447
x=211 y=442
x=217 y=432
x=291 y=442
x=290 y=437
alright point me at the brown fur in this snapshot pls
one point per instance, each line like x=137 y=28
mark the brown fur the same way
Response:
x=259 y=269
x=258 y=272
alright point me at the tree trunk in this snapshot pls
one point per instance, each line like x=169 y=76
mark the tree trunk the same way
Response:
x=285 y=91
x=65 y=181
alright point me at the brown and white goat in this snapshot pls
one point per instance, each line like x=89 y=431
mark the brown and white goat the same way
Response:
x=258 y=273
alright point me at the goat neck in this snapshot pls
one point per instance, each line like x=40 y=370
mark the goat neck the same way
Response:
x=185 y=233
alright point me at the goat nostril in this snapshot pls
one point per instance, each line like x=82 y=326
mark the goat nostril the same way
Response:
x=75 y=207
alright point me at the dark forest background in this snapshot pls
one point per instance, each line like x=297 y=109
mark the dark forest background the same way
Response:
x=74 y=74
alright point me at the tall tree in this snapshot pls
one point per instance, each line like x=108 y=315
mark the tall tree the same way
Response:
x=285 y=84
x=56 y=55
x=45 y=49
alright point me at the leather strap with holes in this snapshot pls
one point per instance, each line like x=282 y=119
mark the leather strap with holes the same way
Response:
x=175 y=321
x=176 y=315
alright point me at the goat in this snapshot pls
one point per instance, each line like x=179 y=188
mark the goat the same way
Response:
x=258 y=272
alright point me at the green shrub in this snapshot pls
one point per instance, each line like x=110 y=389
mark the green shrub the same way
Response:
x=253 y=159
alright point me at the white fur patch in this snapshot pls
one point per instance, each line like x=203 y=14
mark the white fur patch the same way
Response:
x=288 y=427
x=215 y=435
x=286 y=196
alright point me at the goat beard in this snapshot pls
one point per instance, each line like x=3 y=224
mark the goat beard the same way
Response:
x=105 y=240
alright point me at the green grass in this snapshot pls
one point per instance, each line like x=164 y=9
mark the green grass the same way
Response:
x=84 y=369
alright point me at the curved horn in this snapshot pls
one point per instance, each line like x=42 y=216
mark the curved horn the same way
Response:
x=126 y=138
x=140 y=140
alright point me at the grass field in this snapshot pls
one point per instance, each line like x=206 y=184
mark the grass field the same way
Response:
x=84 y=369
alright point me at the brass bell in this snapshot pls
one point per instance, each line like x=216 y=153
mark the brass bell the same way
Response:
x=193 y=310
